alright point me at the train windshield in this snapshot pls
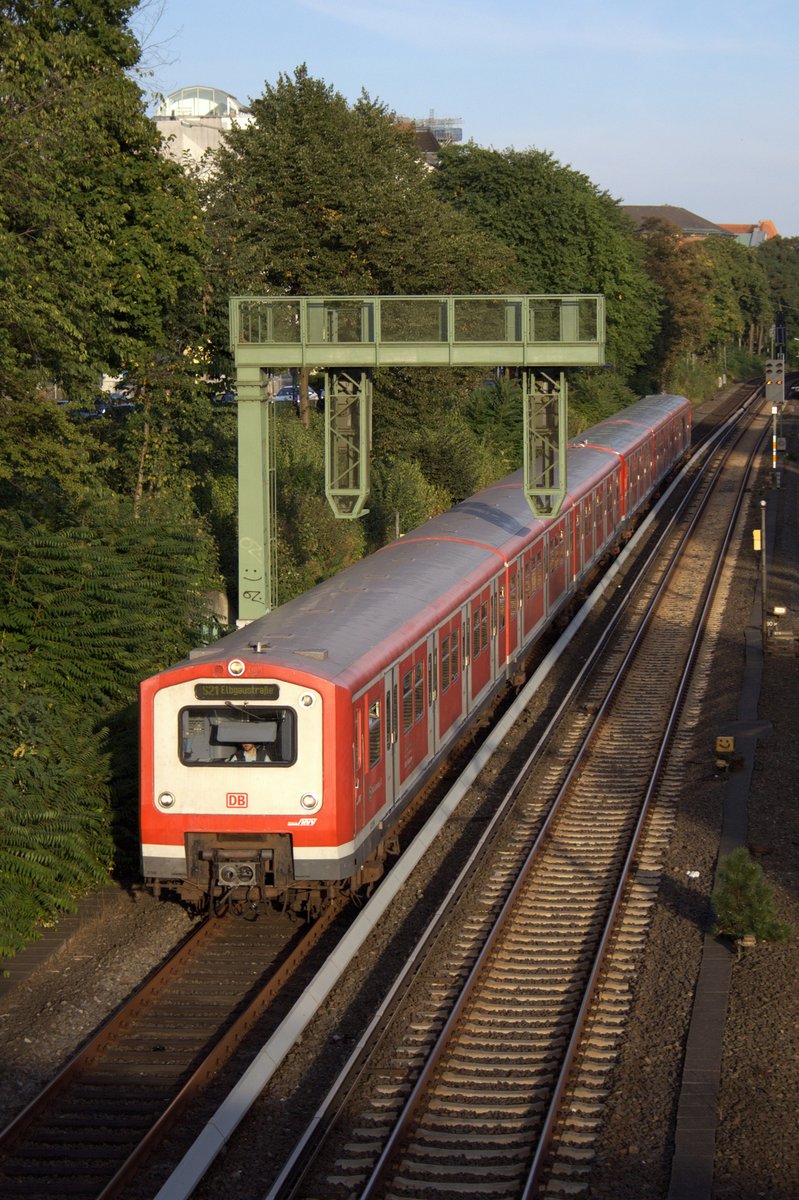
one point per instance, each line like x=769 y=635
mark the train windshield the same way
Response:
x=238 y=735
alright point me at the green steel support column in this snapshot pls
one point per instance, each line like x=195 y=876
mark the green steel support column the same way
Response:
x=545 y=436
x=257 y=514
x=348 y=441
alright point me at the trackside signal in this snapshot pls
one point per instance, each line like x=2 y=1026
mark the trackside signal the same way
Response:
x=775 y=379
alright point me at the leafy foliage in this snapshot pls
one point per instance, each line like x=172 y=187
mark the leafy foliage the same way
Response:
x=743 y=902
x=401 y=499
x=99 y=235
x=51 y=470
x=318 y=196
x=54 y=816
x=95 y=607
x=567 y=235
x=312 y=544
x=595 y=395
x=494 y=411
x=739 y=291
x=779 y=258
x=683 y=274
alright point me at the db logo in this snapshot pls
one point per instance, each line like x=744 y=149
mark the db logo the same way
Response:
x=237 y=800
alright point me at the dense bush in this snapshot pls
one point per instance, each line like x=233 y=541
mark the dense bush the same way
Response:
x=55 y=818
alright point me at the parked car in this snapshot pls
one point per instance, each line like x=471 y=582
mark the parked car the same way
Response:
x=224 y=399
x=290 y=394
x=115 y=404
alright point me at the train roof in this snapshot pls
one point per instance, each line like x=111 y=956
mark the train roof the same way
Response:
x=386 y=601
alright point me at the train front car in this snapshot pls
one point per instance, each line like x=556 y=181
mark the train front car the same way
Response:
x=233 y=806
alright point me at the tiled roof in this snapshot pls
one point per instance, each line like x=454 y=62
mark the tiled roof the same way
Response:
x=690 y=224
x=753 y=235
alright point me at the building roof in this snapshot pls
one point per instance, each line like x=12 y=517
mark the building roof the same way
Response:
x=753 y=235
x=198 y=101
x=689 y=223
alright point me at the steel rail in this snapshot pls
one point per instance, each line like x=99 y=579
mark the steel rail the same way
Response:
x=548 y=1127
x=221 y=1049
x=295 y=1170
x=399 y=1131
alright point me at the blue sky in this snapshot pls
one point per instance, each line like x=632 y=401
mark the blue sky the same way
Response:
x=684 y=103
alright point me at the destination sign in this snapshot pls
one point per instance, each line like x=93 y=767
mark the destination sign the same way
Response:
x=236 y=691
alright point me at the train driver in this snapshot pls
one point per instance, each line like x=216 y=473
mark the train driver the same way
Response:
x=249 y=752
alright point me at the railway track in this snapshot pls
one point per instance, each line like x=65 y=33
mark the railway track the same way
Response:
x=88 y=1132
x=491 y=1077
x=133 y=1082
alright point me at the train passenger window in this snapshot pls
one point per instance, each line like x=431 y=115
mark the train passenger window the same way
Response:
x=514 y=592
x=455 y=663
x=476 y=631
x=483 y=626
x=528 y=580
x=445 y=673
x=407 y=702
x=375 y=741
x=239 y=735
x=418 y=691
x=502 y=608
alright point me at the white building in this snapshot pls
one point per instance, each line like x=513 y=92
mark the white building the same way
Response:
x=193 y=120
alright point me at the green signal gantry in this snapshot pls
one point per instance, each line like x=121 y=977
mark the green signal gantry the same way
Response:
x=347 y=337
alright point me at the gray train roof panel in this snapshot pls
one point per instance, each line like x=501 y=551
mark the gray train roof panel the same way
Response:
x=425 y=574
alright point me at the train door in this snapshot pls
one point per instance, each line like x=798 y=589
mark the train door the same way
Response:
x=509 y=604
x=615 y=501
x=432 y=693
x=638 y=476
x=370 y=759
x=588 y=529
x=601 y=515
x=480 y=649
x=533 y=598
x=450 y=680
x=576 y=545
x=412 y=712
x=391 y=732
x=556 y=563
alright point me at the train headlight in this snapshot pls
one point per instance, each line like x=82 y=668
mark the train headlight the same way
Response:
x=236 y=667
x=309 y=801
x=306 y=701
x=166 y=800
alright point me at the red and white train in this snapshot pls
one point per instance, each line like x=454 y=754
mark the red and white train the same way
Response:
x=275 y=762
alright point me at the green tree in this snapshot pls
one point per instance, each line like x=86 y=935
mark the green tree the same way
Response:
x=743 y=901
x=401 y=499
x=567 y=235
x=318 y=196
x=100 y=235
x=684 y=276
x=740 y=295
x=779 y=258
x=494 y=411
x=312 y=544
